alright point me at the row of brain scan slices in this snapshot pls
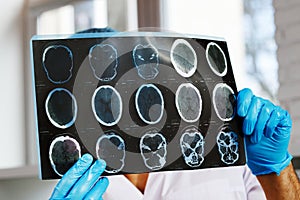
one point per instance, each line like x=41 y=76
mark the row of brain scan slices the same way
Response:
x=61 y=106
x=65 y=151
x=103 y=58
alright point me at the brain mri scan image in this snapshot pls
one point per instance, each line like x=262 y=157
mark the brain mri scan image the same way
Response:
x=103 y=61
x=149 y=103
x=111 y=148
x=58 y=63
x=188 y=102
x=224 y=101
x=63 y=153
x=192 y=147
x=227 y=141
x=61 y=108
x=143 y=101
x=216 y=59
x=153 y=148
x=183 y=58
x=107 y=105
x=146 y=61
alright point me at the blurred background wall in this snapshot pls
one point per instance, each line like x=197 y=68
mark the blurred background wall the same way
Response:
x=287 y=19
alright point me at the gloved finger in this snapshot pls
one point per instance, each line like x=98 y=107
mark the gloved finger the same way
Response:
x=243 y=102
x=284 y=125
x=71 y=177
x=90 y=177
x=262 y=120
x=98 y=190
x=273 y=122
x=250 y=119
x=286 y=121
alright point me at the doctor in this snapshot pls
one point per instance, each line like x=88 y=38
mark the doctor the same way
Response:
x=267 y=130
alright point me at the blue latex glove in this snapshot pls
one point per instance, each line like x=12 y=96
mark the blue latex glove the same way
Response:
x=267 y=133
x=82 y=181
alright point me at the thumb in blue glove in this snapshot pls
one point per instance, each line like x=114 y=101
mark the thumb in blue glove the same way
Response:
x=82 y=181
x=267 y=133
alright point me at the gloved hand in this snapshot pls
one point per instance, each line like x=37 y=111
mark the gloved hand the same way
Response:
x=267 y=133
x=82 y=181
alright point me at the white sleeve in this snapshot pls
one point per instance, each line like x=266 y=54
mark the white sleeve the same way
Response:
x=253 y=188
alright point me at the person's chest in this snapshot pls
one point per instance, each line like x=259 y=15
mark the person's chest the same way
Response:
x=191 y=185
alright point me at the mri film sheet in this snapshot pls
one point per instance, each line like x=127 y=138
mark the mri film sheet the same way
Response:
x=143 y=102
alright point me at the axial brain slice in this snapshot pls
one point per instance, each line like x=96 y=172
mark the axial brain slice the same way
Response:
x=111 y=148
x=146 y=61
x=58 y=63
x=107 y=105
x=63 y=153
x=192 y=147
x=183 y=58
x=61 y=108
x=153 y=148
x=188 y=102
x=149 y=103
x=227 y=141
x=103 y=61
x=216 y=59
x=224 y=101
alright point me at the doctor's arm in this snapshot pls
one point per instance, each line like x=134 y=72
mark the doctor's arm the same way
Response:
x=284 y=186
x=267 y=131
